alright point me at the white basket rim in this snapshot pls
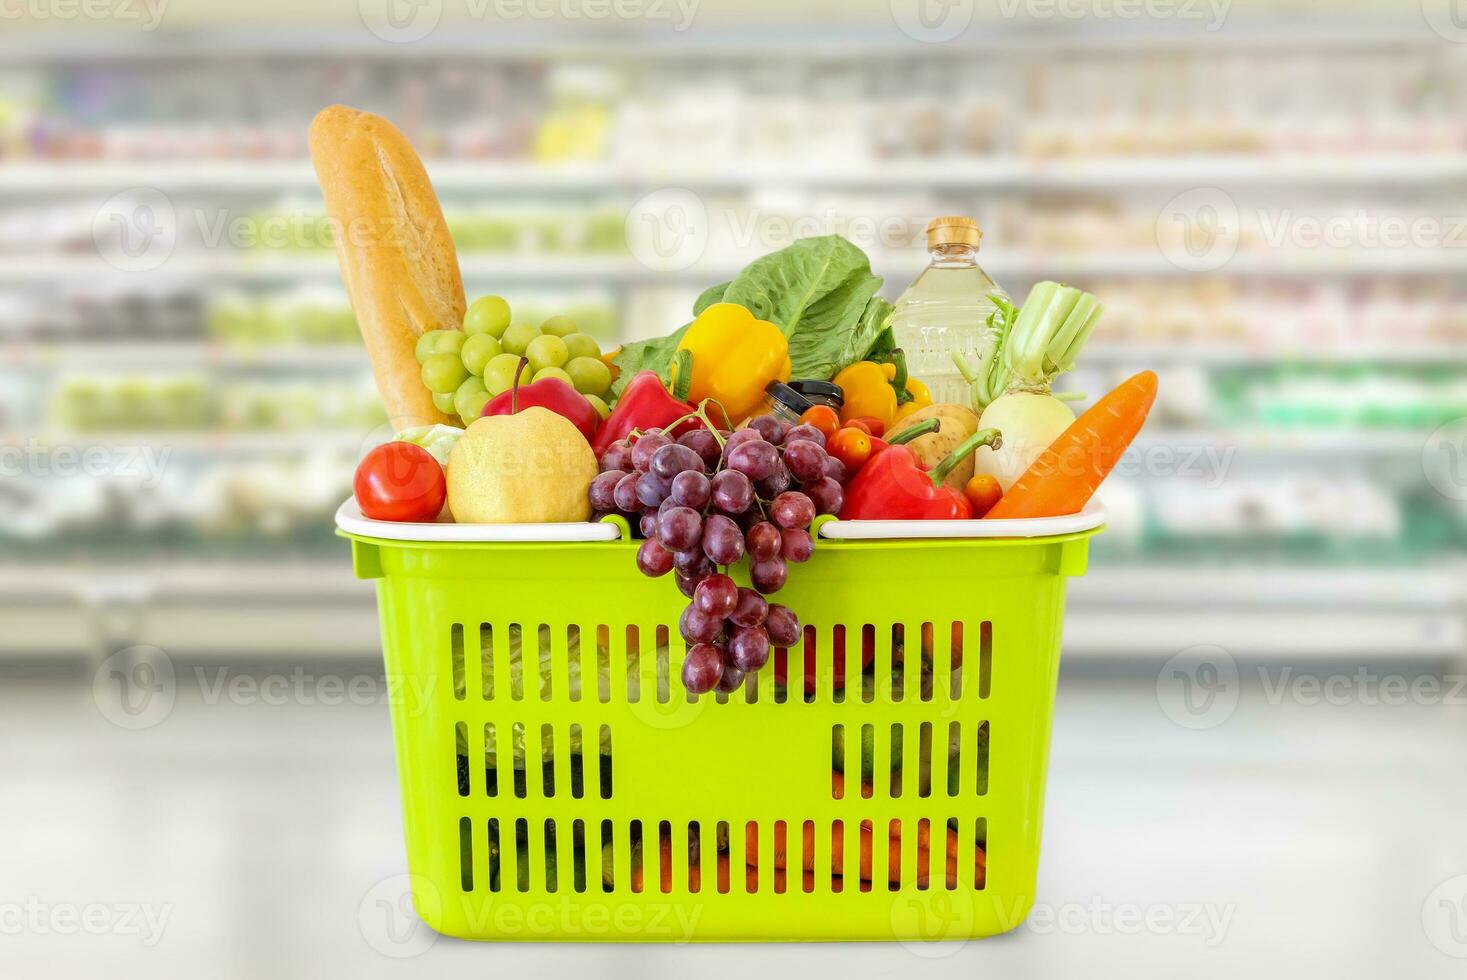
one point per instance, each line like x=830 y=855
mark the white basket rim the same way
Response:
x=349 y=519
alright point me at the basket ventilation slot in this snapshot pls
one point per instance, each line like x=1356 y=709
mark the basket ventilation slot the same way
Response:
x=897 y=663
x=571 y=778
x=939 y=855
x=882 y=766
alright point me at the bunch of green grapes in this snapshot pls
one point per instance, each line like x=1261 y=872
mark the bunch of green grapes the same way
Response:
x=465 y=368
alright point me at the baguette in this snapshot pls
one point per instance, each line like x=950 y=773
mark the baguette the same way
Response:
x=393 y=246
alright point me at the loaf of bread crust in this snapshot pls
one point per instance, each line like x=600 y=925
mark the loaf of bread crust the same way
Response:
x=394 y=249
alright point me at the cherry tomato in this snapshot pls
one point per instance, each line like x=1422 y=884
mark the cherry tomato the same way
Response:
x=823 y=417
x=873 y=425
x=399 y=481
x=851 y=446
x=859 y=425
x=982 y=492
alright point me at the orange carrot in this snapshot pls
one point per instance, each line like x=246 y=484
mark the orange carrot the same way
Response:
x=1066 y=475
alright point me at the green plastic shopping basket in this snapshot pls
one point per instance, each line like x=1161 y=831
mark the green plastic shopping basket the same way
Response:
x=559 y=784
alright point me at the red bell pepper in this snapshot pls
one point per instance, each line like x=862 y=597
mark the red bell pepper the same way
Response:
x=644 y=404
x=551 y=393
x=895 y=486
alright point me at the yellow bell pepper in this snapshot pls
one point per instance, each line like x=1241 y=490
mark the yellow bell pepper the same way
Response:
x=734 y=357
x=873 y=389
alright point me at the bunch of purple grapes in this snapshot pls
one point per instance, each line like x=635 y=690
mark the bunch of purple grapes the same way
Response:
x=704 y=501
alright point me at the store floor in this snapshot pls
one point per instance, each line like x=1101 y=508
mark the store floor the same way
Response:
x=240 y=840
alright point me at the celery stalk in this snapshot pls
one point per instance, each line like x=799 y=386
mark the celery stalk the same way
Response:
x=1032 y=345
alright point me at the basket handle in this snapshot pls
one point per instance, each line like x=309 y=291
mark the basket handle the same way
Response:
x=366 y=559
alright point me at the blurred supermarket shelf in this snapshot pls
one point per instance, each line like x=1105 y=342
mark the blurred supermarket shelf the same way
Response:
x=1187 y=351
x=853 y=39
x=586 y=178
x=318 y=608
x=1328 y=442
x=1432 y=588
x=154 y=355
x=206 y=442
x=280 y=609
x=559 y=268
x=1324 y=442
x=1311 y=612
x=204 y=353
x=1321 y=442
x=1325 y=635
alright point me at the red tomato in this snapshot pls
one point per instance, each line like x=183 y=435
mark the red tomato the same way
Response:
x=852 y=446
x=823 y=417
x=399 y=481
x=872 y=425
x=983 y=491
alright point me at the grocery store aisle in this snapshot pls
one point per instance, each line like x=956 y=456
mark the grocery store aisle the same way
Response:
x=240 y=840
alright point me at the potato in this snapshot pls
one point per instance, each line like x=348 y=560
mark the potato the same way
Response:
x=958 y=423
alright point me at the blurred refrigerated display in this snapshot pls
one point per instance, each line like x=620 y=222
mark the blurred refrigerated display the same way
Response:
x=1306 y=376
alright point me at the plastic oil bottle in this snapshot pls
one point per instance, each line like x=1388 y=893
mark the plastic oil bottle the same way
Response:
x=945 y=310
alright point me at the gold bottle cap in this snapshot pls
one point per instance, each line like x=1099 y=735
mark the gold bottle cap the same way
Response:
x=953 y=230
